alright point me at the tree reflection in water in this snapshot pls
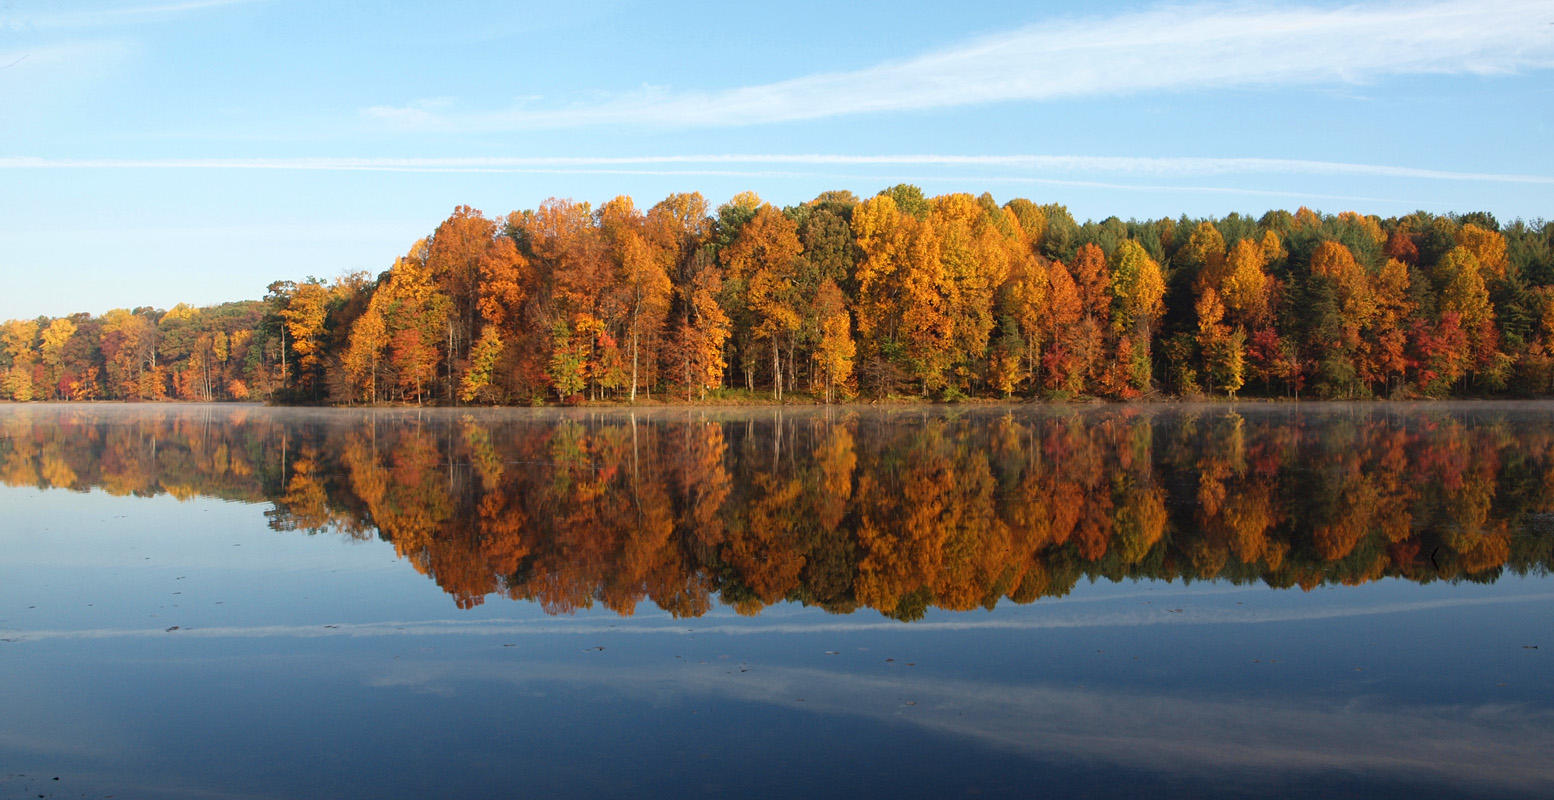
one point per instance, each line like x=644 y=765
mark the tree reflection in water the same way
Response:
x=896 y=511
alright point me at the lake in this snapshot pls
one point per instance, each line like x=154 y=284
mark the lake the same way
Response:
x=1132 y=601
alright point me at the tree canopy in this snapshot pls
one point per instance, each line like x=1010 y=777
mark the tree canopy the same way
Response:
x=900 y=294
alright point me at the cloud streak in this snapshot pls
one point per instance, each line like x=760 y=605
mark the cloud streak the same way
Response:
x=1061 y=616
x=1169 y=48
x=23 y=68
x=719 y=164
x=1238 y=743
x=108 y=16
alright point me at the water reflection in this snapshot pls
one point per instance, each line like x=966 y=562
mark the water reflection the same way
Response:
x=894 y=511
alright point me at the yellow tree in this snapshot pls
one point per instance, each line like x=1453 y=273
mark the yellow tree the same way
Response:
x=1487 y=246
x=1335 y=263
x=1029 y=285
x=369 y=337
x=1204 y=253
x=415 y=318
x=128 y=342
x=1030 y=219
x=566 y=239
x=764 y=257
x=1464 y=294
x=304 y=314
x=52 y=348
x=1385 y=341
x=476 y=383
x=1246 y=285
x=185 y=347
x=695 y=352
x=1138 y=289
x=879 y=232
x=975 y=262
x=834 y=351
x=1223 y=346
x=902 y=314
x=1242 y=292
x=1025 y=299
x=680 y=226
x=641 y=279
x=18 y=336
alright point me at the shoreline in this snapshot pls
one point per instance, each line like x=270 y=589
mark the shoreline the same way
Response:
x=891 y=404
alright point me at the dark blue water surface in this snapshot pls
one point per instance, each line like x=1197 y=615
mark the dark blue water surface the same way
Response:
x=239 y=602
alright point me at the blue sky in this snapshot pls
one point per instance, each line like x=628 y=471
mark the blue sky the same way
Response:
x=158 y=151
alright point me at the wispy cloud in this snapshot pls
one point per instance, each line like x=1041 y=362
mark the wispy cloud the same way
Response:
x=1240 y=744
x=1045 y=164
x=1059 y=616
x=1169 y=48
x=105 y=15
x=43 y=69
x=52 y=52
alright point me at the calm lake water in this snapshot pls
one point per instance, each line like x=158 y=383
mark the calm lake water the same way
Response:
x=1168 y=601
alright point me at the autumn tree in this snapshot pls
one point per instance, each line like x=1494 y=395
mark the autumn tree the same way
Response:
x=642 y=264
x=764 y=258
x=1204 y=255
x=1344 y=305
x=1023 y=303
x=974 y=256
x=1247 y=287
x=18 y=337
x=1074 y=335
x=460 y=253
x=1384 y=355
x=1464 y=294
x=368 y=341
x=414 y=315
x=52 y=348
x=1137 y=287
x=829 y=255
x=903 y=317
x=129 y=346
x=1222 y=345
x=303 y=310
x=1488 y=248
x=681 y=229
x=835 y=350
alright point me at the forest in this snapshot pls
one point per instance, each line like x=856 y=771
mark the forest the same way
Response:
x=899 y=295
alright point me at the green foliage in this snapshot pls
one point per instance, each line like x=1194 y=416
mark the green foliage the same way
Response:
x=909 y=199
x=1062 y=237
x=566 y=362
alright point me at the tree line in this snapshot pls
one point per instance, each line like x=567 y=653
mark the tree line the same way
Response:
x=896 y=512
x=897 y=295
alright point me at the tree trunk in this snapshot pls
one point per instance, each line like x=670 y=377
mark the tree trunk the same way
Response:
x=776 y=370
x=792 y=377
x=634 y=362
